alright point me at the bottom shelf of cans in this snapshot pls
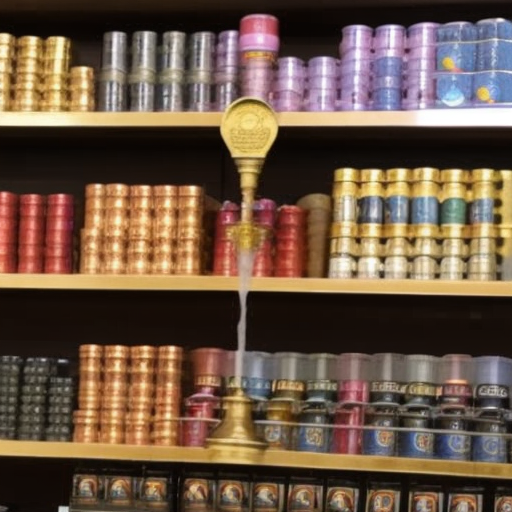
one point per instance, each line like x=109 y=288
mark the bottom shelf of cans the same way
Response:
x=189 y=491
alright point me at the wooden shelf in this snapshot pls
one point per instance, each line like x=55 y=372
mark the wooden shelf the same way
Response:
x=463 y=118
x=266 y=284
x=272 y=458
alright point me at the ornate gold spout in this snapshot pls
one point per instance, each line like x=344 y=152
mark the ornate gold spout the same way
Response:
x=249 y=128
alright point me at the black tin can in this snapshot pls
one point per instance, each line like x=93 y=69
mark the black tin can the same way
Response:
x=381 y=439
x=418 y=442
x=455 y=443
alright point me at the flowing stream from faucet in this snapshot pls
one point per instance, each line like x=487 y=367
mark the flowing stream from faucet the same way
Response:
x=245 y=266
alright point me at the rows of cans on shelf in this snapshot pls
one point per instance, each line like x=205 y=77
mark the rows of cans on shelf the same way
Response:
x=36 y=399
x=35 y=74
x=245 y=492
x=474 y=64
x=421 y=223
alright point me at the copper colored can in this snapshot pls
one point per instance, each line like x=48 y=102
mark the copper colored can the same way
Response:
x=116 y=351
x=166 y=433
x=138 y=265
x=190 y=217
x=89 y=402
x=162 y=265
x=85 y=433
x=170 y=352
x=162 y=249
x=138 y=434
x=113 y=402
x=95 y=190
x=90 y=264
x=141 y=191
x=117 y=190
x=113 y=266
x=165 y=191
x=190 y=190
x=141 y=407
x=208 y=361
x=111 y=434
x=91 y=351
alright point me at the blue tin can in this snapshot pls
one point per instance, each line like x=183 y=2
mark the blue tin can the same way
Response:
x=493 y=55
x=258 y=389
x=388 y=66
x=499 y=28
x=454 y=89
x=425 y=210
x=371 y=210
x=488 y=447
x=490 y=87
x=456 y=57
x=454 y=444
x=315 y=436
x=397 y=210
x=380 y=441
x=419 y=441
x=482 y=211
x=456 y=31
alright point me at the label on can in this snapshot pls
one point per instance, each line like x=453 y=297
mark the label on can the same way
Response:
x=119 y=491
x=232 y=496
x=196 y=495
x=385 y=391
x=482 y=211
x=489 y=449
x=258 y=388
x=489 y=395
x=453 y=446
x=464 y=502
x=85 y=490
x=277 y=436
x=313 y=439
x=421 y=501
x=345 y=209
x=153 y=493
x=453 y=211
x=267 y=497
x=304 y=498
x=342 y=499
x=397 y=210
x=379 y=441
x=425 y=210
x=371 y=210
x=502 y=503
x=383 y=500
x=416 y=444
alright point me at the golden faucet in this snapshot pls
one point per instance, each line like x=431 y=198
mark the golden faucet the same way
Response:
x=249 y=128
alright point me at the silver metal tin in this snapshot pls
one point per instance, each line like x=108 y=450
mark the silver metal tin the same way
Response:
x=370 y=247
x=199 y=97
x=424 y=267
x=173 y=51
x=454 y=247
x=144 y=45
x=112 y=96
x=482 y=267
x=201 y=52
x=345 y=209
x=369 y=267
x=396 y=267
x=170 y=97
x=426 y=247
x=115 y=51
x=142 y=97
x=453 y=268
x=342 y=266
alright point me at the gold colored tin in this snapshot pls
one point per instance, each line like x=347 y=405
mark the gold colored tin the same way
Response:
x=426 y=174
x=370 y=230
x=141 y=219
x=426 y=189
x=89 y=107
x=95 y=203
x=372 y=175
x=94 y=220
x=51 y=107
x=344 y=229
x=484 y=190
x=454 y=231
x=117 y=190
x=114 y=246
x=347 y=174
x=114 y=266
x=89 y=402
x=111 y=434
x=82 y=72
x=398 y=247
x=426 y=247
x=188 y=268
x=190 y=233
x=7 y=39
x=453 y=190
x=454 y=176
x=345 y=245
x=345 y=188
x=504 y=196
x=30 y=42
x=398 y=174
x=482 y=175
x=398 y=188
x=484 y=231
x=26 y=67
x=371 y=189
x=370 y=247
x=116 y=219
x=396 y=230
x=424 y=231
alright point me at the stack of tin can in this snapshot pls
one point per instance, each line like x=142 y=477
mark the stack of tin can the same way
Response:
x=29 y=74
x=482 y=265
x=57 y=57
x=140 y=395
x=289 y=85
x=225 y=256
x=10 y=373
x=202 y=407
x=117 y=209
x=200 y=72
x=343 y=246
x=91 y=236
x=34 y=399
x=140 y=229
x=319 y=217
x=259 y=48
x=58 y=252
x=61 y=397
x=81 y=89
x=291 y=248
x=31 y=236
x=322 y=84
x=171 y=77
x=371 y=218
x=420 y=66
x=226 y=69
x=356 y=55
x=114 y=398
x=165 y=229
x=112 y=92
x=86 y=418
x=7 y=59
x=142 y=78
x=168 y=396
x=454 y=231
x=189 y=251
x=265 y=214
x=8 y=232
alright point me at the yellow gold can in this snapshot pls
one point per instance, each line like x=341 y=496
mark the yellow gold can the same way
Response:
x=454 y=176
x=426 y=174
x=347 y=174
x=398 y=174
x=483 y=174
x=372 y=175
